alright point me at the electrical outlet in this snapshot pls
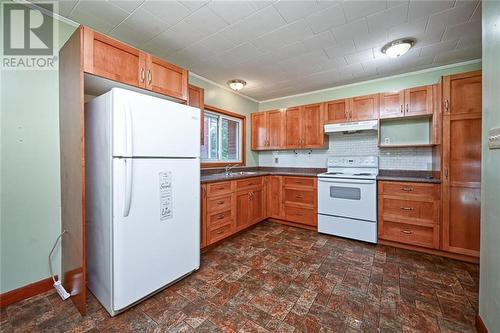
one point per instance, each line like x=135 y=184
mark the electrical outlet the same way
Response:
x=387 y=141
x=494 y=138
x=276 y=160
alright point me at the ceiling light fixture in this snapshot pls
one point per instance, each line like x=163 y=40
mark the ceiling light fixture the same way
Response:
x=236 y=84
x=398 y=47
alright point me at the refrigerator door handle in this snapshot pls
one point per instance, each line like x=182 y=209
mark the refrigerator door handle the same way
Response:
x=128 y=131
x=128 y=186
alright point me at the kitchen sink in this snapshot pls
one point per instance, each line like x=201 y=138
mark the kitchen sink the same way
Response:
x=240 y=173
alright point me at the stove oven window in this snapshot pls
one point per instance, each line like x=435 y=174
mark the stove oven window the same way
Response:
x=348 y=193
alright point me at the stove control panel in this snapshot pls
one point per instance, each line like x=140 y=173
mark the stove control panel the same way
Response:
x=352 y=161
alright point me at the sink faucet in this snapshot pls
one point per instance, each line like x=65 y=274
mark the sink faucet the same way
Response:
x=228 y=168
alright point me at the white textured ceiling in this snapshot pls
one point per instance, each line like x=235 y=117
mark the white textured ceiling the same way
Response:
x=288 y=47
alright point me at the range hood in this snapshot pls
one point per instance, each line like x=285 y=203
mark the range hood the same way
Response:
x=369 y=125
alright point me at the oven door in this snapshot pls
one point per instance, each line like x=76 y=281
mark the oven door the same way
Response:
x=351 y=198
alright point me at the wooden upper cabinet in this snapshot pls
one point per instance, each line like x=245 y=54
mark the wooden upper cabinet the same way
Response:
x=108 y=58
x=418 y=101
x=462 y=94
x=336 y=111
x=364 y=108
x=103 y=56
x=313 y=134
x=392 y=104
x=165 y=78
x=259 y=131
x=293 y=128
x=196 y=98
x=267 y=130
x=407 y=103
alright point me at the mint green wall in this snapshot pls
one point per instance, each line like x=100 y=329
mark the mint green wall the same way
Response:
x=489 y=286
x=227 y=100
x=30 y=189
x=370 y=87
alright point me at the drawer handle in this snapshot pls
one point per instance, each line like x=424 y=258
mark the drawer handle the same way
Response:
x=407 y=208
x=299 y=214
x=407 y=189
x=408 y=232
x=220 y=202
x=298 y=196
x=220 y=217
x=220 y=232
x=298 y=182
x=220 y=187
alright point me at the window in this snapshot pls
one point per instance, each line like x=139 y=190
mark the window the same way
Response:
x=223 y=138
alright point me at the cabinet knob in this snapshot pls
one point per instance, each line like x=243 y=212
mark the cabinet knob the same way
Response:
x=143 y=76
x=407 y=109
x=408 y=232
x=402 y=108
x=407 y=189
x=150 y=76
x=220 y=202
x=406 y=208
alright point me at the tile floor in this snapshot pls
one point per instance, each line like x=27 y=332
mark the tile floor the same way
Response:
x=282 y=279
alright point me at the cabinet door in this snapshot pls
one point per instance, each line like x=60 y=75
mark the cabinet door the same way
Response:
x=418 y=101
x=259 y=131
x=196 y=98
x=274 y=197
x=257 y=206
x=313 y=132
x=203 y=215
x=462 y=164
x=275 y=125
x=293 y=129
x=242 y=210
x=108 y=58
x=392 y=105
x=336 y=111
x=364 y=108
x=165 y=78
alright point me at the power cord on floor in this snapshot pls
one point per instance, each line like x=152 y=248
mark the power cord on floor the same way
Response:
x=57 y=284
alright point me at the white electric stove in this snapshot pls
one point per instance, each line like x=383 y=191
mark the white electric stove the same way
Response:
x=347 y=198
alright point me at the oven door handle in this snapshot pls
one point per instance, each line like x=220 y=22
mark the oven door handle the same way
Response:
x=347 y=181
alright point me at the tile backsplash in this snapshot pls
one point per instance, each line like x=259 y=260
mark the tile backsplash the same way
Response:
x=363 y=143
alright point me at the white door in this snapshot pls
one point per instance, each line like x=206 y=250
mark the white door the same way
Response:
x=352 y=198
x=148 y=126
x=156 y=224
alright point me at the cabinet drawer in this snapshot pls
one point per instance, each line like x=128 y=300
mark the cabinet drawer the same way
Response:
x=219 y=233
x=220 y=203
x=250 y=182
x=301 y=215
x=304 y=197
x=425 y=212
x=299 y=181
x=216 y=219
x=218 y=188
x=430 y=191
x=410 y=234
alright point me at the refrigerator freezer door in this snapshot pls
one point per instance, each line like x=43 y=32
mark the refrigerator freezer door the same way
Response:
x=148 y=126
x=156 y=225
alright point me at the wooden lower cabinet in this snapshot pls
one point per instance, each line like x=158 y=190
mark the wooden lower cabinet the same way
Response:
x=228 y=207
x=409 y=213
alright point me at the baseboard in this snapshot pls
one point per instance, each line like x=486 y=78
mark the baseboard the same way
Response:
x=27 y=291
x=456 y=256
x=294 y=224
x=481 y=328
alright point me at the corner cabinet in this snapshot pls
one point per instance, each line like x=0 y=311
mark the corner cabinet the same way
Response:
x=105 y=57
x=267 y=130
x=304 y=127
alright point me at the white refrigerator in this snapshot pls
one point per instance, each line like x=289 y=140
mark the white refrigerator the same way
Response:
x=142 y=195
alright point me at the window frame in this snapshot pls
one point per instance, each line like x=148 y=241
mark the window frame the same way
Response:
x=242 y=118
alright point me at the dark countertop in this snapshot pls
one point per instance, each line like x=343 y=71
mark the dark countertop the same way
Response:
x=416 y=176
x=217 y=174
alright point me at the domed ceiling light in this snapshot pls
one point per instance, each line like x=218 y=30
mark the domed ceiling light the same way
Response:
x=236 y=84
x=398 y=47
